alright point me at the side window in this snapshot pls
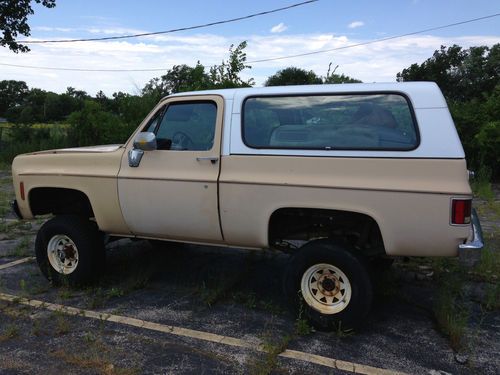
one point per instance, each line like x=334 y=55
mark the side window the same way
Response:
x=341 y=122
x=187 y=126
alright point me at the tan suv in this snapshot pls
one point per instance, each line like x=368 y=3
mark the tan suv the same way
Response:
x=339 y=176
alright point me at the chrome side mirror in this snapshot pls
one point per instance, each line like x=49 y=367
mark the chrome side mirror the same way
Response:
x=144 y=141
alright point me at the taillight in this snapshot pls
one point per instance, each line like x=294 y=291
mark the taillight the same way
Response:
x=21 y=190
x=461 y=211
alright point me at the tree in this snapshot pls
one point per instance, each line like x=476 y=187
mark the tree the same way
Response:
x=227 y=75
x=470 y=81
x=293 y=76
x=92 y=125
x=183 y=78
x=180 y=78
x=331 y=77
x=461 y=74
x=12 y=94
x=14 y=21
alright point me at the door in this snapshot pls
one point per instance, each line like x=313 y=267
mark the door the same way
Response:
x=173 y=193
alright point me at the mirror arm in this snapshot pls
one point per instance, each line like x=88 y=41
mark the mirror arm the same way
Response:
x=134 y=157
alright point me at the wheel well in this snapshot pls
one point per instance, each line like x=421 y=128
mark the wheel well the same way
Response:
x=59 y=201
x=289 y=228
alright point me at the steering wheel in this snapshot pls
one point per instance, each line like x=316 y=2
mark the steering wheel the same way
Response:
x=181 y=141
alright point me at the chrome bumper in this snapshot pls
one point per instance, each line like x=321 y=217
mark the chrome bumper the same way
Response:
x=469 y=253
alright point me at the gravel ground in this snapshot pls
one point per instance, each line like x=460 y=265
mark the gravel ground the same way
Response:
x=235 y=293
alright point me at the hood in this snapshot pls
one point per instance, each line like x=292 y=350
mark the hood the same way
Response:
x=88 y=149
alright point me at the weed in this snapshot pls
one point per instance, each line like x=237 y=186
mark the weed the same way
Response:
x=37 y=328
x=10 y=332
x=481 y=185
x=65 y=293
x=62 y=323
x=249 y=300
x=23 y=248
x=210 y=295
x=93 y=361
x=272 y=350
x=343 y=332
x=271 y=307
x=449 y=310
x=38 y=289
x=115 y=292
x=492 y=297
x=137 y=281
x=89 y=338
x=22 y=285
x=99 y=296
x=302 y=327
x=488 y=268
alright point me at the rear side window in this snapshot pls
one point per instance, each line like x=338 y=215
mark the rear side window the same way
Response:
x=340 y=122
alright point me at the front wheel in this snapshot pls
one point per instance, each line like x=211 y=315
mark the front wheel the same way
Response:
x=69 y=249
x=329 y=284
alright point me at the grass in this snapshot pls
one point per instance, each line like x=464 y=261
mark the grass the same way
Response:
x=221 y=286
x=23 y=248
x=95 y=361
x=450 y=311
x=272 y=347
x=99 y=296
x=11 y=331
x=481 y=185
x=63 y=325
x=95 y=356
x=5 y=198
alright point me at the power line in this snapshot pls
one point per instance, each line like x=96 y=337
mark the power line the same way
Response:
x=375 y=40
x=269 y=59
x=171 y=30
x=84 y=69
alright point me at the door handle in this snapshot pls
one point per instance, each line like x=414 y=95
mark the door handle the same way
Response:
x=211 y=159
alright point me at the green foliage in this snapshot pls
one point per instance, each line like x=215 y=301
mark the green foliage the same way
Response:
x=14 y=21
x=12 y=93
x=331 y=77
x=470 y=81
x=92 y=125
x=227 y=75
x=293 y=76
x=298 y=76
x=182 y=78
x=481 y=185
x=461 y=74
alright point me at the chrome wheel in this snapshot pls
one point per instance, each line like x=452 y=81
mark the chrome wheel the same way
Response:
x=326 y=288
x=62 y=254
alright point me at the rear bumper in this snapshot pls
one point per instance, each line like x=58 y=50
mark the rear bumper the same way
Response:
x=16 y=210
x=469 y=253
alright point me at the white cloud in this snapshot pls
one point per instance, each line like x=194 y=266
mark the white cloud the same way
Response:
x=377 y=62
x=279 y=28
x=355 y=24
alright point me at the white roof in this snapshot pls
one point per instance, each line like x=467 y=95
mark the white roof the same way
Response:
x=422 y=94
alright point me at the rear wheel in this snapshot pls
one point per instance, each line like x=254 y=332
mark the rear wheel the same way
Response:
x=70 y=249
x=329 y=284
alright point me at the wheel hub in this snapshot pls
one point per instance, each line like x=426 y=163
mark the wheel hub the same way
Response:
x=329 y=285
x=62 y=254
x=326 y=288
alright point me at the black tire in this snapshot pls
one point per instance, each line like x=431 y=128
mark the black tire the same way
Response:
x=348 y=309
x=70 y=235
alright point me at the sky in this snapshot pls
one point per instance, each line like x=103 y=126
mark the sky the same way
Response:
x=321 y=25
